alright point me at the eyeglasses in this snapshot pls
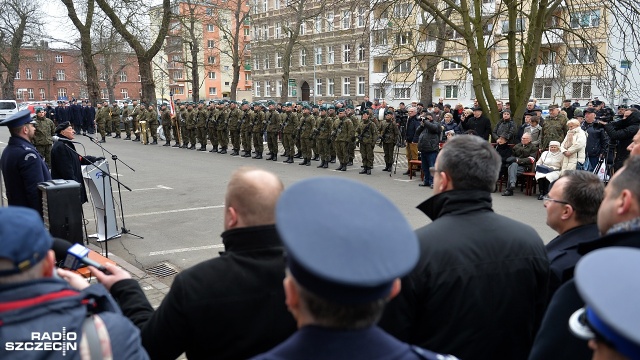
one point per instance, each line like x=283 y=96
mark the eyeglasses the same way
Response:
x=433 y=170
x=546 y=199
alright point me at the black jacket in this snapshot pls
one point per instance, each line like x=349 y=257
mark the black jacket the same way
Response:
x=412 y=124
x=481 y=125
x=597 y=139
x=65 y=164
x=623 y=131
x=230 y=307
x=555 y=340
x=479 y=289
x=428 y=136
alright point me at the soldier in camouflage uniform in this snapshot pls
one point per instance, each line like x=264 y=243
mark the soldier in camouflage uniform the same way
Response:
x=367 y=136
x=101 y=119
x=201 y=126
x=143 y=124
x=334 y=120
x=153 y=123
x=127 y=119
x=297 y=111
x=116 y=112
x=235 y=115
x=258 y=129
x=223 y=129
x=191 y=126
x=356 y=123
x=343 y=132
x=175 y=125
x=135 y=121
x=315 y=112
x=288 y=128
x=273 y=126
x=212 y=126
x=166 y=124
x=322 y=134
x=554 y=127
x=45 y=129
x=306 y=131
x=245 y=129
x=390 y=134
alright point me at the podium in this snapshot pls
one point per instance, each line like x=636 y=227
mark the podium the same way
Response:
x=102 y=198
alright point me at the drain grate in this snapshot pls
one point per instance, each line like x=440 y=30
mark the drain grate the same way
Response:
x=162 y=270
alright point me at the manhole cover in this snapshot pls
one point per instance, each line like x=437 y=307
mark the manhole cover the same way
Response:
x=162 y=270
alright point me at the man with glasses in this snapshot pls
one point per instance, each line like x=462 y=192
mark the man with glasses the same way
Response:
x=22 y=166
x=619 y=224
x=524 y=156
x=480 y=287
x=572 y=209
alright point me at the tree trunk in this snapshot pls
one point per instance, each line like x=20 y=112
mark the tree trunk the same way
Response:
x=12 y=66
x=195 y=75
x=146 y=80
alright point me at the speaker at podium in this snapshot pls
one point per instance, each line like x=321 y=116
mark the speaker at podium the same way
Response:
x=99 y=186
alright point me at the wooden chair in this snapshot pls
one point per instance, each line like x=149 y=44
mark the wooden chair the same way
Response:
x=413 y=166
x=528 y=178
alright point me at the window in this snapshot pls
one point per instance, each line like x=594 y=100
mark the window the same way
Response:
x=346 y=19
x=278 y=60
x=256 y=63
x=211 y=60
x=318 y=87
x=503 y=59
x=30 y=94
x=276 y=4
x=62 y=93
x=542 y=89
x=402 y=10
x=247 y=77
x=331 y=87
x=451 y=34
x=330 y=19
x=246 y=32
x=277 y=28
x=60 y=75
x=257 y=88
x=211 y=44
x=317 y=27
x=265 y=32
x=402 y=66
x=266 y=62
x=59 y=61
x=581 y=90
x=212 y=75
x=303 y=57
x=210 y=28
x=177 y=74
x=361 y=52
x=17 y=75
x=213 y=90
x=346 y=53
x=453 y=63
x=451 y=92
x=487 y=29
x=330 y=55
x=290 y=90
x=267 y=88
x=124 y=93
x=519 y=25
x=264 y=5
x=403 y=38
x=43 y=95
x=40 y=74
x=346 y=83
x=380 y=37
x=402 y=93
x=504 y=91
x=581 y=55
x=257 y=33
x=226 y=68
x=28 y=74
x=319 y=55
x=585 y=19
x=303 y=27
x=178 y=90
x=38 y=57
x=278 y=88
x=360 y=85
x=123 y=76
x=361 y=16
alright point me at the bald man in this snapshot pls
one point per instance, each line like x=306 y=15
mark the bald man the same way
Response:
x=229 y=307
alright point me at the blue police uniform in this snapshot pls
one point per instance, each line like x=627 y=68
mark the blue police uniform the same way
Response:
x=342 y=261
x=22 y=167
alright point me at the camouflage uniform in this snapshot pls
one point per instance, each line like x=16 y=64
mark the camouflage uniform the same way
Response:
x=273 y=126
x=45 y=129
x=184 y=114
x=367 y=136
x=245 y=130
x=223 y=130
x=390 y=133
x=166 y=126
x=115 y=120
x=553 y=129
x=305 y=133
x=191 y=126
x=256 y=132
x=152 y=121
x=201 y=126
x=324 y=126
x=235 y=115
x=288 y=127
x=212 y=127
x=344 y=132
x=352 y=144
x=135 y=120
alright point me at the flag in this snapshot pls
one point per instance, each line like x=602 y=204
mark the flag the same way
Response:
x=171 y=106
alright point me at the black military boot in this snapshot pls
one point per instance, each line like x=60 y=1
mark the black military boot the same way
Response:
x=137 y=138
x=304 y=162
x=223 y=150
x=386 y=167
x=333 y=160
x=316 y=158
x=192 y=147
x=155 y=141
x=203 y=148
x=270 y=157
x=117 y=136
x=177 y=144
x=363 y=171
x=350 y=163
x=298 y=155
x=326 y=165
x=275 y=157
x=103 y=140
x=308 y=161
x=128 y=137
x=344 y=167
x=339 y=167
x=214 y=150
x=321 y=165
x=285 y=154
x=368 y=171
x=235 y=152
x=167 y=143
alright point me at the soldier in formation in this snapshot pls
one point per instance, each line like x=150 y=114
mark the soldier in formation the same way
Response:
x=45 y=129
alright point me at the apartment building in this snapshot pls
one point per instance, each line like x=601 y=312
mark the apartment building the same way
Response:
x=329 y=60
x=58 y=74
x=213 y=24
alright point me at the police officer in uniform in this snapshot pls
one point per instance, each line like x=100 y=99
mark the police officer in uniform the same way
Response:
x=21 y=164
x=45 y=129
x=338 y=282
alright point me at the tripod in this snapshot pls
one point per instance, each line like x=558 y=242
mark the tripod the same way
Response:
x=403 y=133
x=115 y=158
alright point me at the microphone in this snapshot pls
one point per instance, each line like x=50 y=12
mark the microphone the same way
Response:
x=92 y=139
x=77 y=255
x=57 y=138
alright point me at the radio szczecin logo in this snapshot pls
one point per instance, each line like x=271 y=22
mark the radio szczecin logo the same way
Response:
x=46 y=341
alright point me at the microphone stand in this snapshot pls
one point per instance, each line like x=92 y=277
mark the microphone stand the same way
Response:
x=115 y=159
x=104 y=186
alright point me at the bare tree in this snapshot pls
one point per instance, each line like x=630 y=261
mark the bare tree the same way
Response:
x=19 y=25
x=132 y=31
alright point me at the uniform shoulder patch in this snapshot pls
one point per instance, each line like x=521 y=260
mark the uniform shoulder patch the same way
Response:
x=26 y=157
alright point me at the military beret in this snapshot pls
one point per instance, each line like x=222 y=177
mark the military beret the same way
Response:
x=306 y=107
x=39 y=108
x=23 y=238
x=271 y=102
x=349 y=106
x=588 y=110
x=337 y=257
x=18 y=119
x=62 y=126
x=553 y=106
x=596 y=102
x=578 y=113
x=340 y=110
x=315 y=106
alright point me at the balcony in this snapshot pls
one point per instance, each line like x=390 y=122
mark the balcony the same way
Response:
x=380 y=51
x=547 y=71
x=426 y=47
x=378 y=78
x=554 y=36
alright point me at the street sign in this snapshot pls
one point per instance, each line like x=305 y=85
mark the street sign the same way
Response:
x=292 y=82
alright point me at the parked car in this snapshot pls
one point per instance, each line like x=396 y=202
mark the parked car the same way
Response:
x=7 y=108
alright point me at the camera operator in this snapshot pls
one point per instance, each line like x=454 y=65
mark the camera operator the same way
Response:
x=402 y=114
x=412 y=148
x=428 y=138
x=622 y=132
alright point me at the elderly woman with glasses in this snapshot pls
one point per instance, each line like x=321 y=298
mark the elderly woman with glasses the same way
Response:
x=573 y=146
x=548 y=168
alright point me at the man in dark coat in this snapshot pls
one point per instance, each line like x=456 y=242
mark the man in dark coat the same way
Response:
x=619 y=222
x=427 y=136
x=21 y=164
x=572 y=209
x=412 y=148
x=75 y=111
x=621 y=132
x=524 y=156
x=65 y=162
x=230 y=307
x=478 y=123
x=480 y=287
x=340 y=278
